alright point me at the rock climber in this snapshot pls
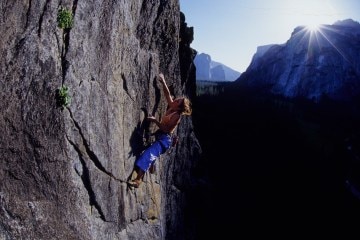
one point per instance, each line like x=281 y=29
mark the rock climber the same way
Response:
x=176 y=108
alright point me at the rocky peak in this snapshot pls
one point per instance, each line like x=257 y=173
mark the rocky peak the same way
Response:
x=347 y=23
x=209 y=70
x=310 y=64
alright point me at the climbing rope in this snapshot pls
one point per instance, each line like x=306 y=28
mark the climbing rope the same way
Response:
x=153 y=198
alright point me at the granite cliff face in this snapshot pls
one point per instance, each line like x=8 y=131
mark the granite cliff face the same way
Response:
x=63 y=171
x=311 y=64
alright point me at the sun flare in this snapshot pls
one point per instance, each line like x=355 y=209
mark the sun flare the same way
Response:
x=313 y=27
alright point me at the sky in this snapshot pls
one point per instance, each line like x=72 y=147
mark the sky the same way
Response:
x=231 y=30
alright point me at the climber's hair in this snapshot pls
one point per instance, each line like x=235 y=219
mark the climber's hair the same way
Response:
x=186 y=107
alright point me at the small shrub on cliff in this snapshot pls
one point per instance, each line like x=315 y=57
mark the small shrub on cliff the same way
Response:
x=62 y=97
x=65 y=18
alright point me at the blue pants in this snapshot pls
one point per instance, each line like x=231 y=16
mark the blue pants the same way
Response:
x=148 y=157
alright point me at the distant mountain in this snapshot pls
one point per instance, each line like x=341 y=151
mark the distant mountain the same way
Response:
x=209 y=70
x=311 y=64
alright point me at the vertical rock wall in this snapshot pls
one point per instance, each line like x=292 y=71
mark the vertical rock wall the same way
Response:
x=63 y=171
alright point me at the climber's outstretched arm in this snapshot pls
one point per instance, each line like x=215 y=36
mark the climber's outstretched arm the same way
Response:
x=165 y=89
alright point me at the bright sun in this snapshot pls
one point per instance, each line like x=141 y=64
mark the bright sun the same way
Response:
x=313 y=27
